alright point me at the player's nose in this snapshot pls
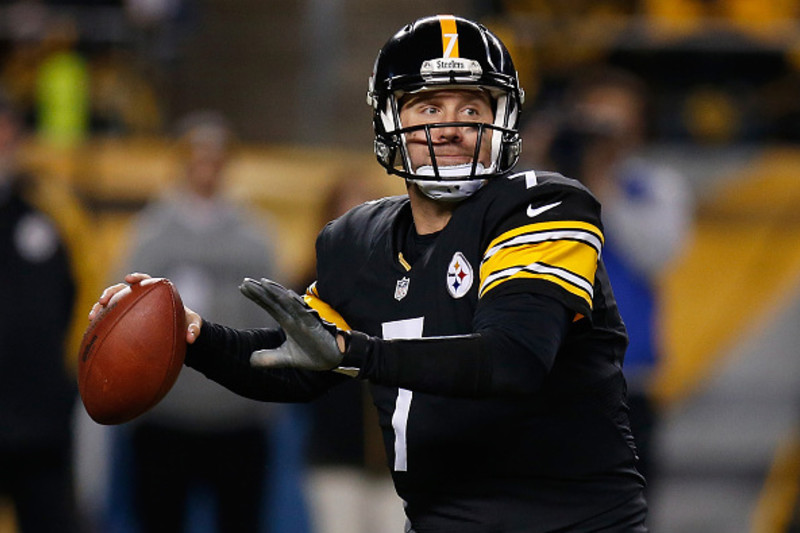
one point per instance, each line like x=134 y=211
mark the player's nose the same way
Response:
x=449 y=133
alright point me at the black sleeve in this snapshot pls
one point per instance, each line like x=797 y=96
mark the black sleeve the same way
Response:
x=513 y=348
x=222 y=354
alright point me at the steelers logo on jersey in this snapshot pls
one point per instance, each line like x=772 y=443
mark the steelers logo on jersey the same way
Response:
x=459 y=276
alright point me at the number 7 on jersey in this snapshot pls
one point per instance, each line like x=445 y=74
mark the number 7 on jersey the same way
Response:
x=410 y=328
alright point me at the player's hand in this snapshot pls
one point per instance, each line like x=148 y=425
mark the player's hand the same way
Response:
x=310 y=343
x=193 y=320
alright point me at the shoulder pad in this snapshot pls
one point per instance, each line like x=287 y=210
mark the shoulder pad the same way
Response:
x=544 y=234
x=521 y=197
x=366 y=221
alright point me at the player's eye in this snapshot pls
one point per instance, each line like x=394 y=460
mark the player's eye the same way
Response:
x=471 y=112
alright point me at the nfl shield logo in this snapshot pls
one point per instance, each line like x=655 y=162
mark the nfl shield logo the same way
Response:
x=401 y=289
x=459 y=276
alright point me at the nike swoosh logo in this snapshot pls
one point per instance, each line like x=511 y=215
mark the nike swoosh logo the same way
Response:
x=535 y=212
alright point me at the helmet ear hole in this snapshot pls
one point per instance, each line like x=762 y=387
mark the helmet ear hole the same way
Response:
x=511 y=152
x=384 y=153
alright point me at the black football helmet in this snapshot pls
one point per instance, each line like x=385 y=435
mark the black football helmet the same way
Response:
x=439 y=52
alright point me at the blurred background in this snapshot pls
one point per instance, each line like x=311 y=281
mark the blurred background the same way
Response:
x=101 y=84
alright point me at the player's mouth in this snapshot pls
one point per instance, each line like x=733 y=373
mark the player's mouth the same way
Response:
x=451 y=160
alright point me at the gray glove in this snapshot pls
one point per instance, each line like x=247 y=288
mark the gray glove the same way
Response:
x=310 y=341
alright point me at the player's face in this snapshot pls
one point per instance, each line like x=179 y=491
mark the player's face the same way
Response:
x=452 y=145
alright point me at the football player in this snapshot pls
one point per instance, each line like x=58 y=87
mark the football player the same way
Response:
x=476 y=306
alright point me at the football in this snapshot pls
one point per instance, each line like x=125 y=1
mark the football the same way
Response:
x=131 y=354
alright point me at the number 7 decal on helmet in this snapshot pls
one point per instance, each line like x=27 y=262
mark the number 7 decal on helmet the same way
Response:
x=449 y=36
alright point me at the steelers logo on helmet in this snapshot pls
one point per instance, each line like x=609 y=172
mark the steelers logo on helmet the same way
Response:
x=446 y=52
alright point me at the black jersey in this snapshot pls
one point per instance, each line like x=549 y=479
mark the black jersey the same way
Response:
x=537 y=462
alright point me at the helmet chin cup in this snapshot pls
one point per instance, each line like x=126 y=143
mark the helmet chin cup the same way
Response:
x=451 y=183
x=452 y=190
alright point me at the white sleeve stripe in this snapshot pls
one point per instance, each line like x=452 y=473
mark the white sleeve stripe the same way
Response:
x=540 y=268
x=543 y=236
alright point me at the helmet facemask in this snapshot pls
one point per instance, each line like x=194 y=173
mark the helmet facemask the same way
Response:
x=449 y=182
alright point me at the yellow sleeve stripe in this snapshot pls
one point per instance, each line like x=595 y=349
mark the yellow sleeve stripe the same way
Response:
x=449 y=36
x=547 y=231
x=327 y=312
x=575 y=261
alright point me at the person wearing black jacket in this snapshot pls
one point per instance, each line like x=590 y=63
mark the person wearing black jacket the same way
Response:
x=37 y=389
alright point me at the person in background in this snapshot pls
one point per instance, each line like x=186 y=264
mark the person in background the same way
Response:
x=41 y=285
x=63 y=92
x=202 y=439
x=647 y=214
